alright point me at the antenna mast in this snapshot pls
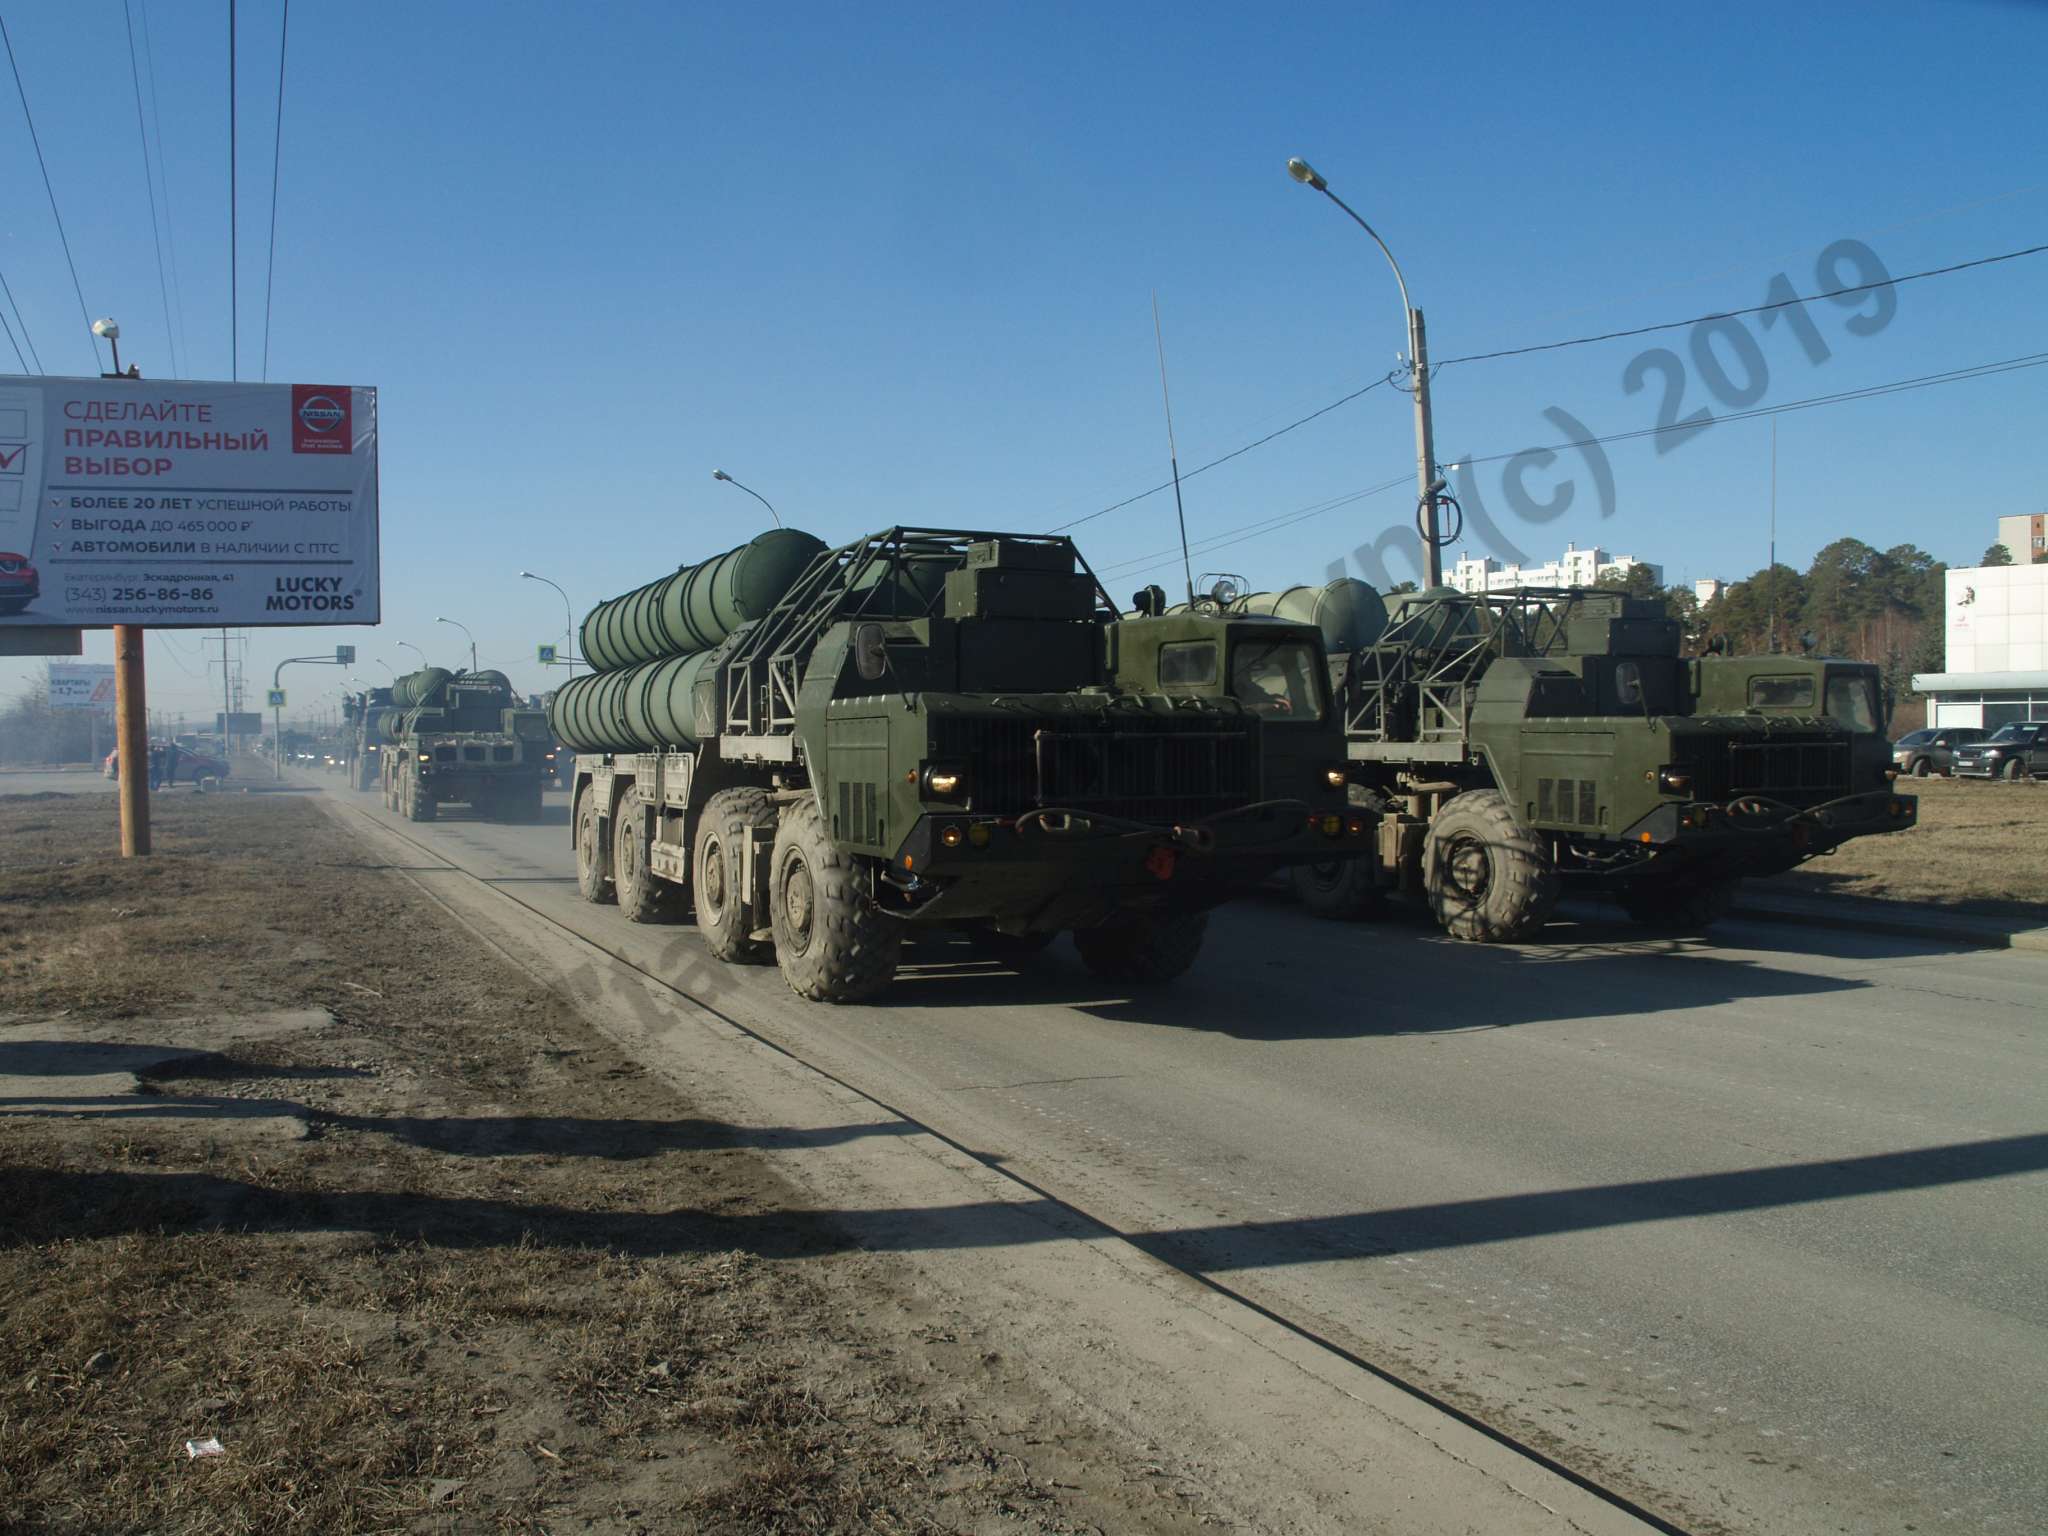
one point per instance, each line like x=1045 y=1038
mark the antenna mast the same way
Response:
x=1774 y=537
x=1173 y=452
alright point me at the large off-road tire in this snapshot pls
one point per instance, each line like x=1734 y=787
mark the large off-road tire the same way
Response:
x=1488 y=879
x=1147 y=950
x=1679 y=905
x=717 y=865
x=1337 y=889
x=641 y=896
x=593 y=871
x=419 y=803
x=833 y=944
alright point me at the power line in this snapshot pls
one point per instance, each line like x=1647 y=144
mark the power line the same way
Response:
x=1234 y=453
x=163 y=170
x=163 y=287
x=76 y=287
x=1244 y=531
x=1961 y=266
x=22 y=320
x=13 y=343
x=234 y=224
x=276 y=159
x=1754 y=309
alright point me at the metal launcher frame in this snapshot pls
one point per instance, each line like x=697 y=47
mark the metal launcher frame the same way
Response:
x=877 y=578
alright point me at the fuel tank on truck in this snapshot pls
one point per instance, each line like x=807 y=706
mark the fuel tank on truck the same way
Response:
x=698 y=606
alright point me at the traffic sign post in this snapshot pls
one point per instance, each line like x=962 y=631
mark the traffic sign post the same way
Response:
x=547 y=655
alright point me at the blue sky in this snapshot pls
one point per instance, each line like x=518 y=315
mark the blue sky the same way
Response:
x=896 y=264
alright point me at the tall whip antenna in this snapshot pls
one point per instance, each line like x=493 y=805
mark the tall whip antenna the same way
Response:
x=1172 y=452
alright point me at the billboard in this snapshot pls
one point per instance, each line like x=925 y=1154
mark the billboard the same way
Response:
x=82 y=685
x=187 y=504
x=240 y=723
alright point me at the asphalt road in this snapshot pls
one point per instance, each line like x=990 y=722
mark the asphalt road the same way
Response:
x=1750 y=1231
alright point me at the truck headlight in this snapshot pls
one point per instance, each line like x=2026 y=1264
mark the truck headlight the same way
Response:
x=1336 y=778
x=944 y=783
x=1674 y=781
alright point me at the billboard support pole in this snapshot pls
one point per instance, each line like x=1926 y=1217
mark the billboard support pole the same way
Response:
x=131 y=740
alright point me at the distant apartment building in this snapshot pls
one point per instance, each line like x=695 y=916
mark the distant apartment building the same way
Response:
x=2025 y=537
x=1996 y=640
x=1707 y=588
x=1574 y=568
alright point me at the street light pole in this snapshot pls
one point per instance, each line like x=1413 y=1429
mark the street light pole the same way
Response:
x=568 y=617
x=1429 y=486
x=415 y=650
x=465 y=630
x=719 y=474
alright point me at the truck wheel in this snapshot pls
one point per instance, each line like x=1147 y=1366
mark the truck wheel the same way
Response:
x=727 y=821
x=1337 y=889
x=833 y=944
x=1488 y=880
x=1687 y=906
x=643 y=897
x=1147 y=950
x=593 y=880
x=419 y=803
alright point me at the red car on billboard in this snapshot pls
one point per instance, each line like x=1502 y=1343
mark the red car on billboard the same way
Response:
x=19 y=584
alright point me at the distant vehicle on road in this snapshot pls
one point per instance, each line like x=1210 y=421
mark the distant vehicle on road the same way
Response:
x=1920 y=753
x=19 y=584
x=2011 y=752
x=192 y=766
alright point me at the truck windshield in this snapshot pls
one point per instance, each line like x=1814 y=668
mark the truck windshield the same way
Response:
x=1781 y=693
x=1852 y=701
x=1276 y=679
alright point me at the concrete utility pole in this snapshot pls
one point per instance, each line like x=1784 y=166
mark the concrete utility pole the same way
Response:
x=1429 y=485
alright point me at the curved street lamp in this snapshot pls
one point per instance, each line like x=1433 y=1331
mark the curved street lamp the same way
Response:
x=414 y=649
x=1429 y=485
x=719 y=474
x=465 y=630
x=568 y=617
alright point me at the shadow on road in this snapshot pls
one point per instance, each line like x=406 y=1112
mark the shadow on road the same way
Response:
x=104 y=1204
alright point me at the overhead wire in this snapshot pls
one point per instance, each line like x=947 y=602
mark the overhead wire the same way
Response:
x=276 y=160
x=22 y=321
x=33 y=138
x=1244 y=531
x=1577 y=341
x=12 y=342
x=163 y=171
x=163 y=286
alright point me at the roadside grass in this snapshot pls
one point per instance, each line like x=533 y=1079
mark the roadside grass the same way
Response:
x=1978 y=847
x=505 y=1282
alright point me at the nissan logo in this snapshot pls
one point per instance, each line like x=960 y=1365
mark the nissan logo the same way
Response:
x=320 y=414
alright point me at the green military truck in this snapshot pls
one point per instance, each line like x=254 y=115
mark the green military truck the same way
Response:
x=1514 y=746
x=364 y=715
x=941 y=728
x=461 y=737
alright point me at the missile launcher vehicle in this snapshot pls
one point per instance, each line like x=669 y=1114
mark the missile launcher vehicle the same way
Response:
x=1516 y=745
x=364 y=716
x=458 y=737
x=821 y=750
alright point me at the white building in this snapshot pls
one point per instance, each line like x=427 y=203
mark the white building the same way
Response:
x=2025 y=537
x=1707 y=588
x=1996 y=633
x=1574 y=568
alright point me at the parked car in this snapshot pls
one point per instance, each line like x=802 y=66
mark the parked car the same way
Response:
x=2010 y=752
x=1933 y=751
x=19 y=584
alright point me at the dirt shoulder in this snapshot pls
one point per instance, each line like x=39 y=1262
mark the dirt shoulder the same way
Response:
x=1978 y=848
x=416 y=1245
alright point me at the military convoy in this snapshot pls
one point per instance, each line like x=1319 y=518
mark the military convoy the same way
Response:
x=823 y=749
x=454 y=736
x=1514 y=746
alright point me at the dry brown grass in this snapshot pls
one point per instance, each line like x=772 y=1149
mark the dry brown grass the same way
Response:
x=1979 y=848
x=507 y=1283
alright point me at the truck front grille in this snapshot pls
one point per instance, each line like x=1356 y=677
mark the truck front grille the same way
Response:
x=1800 y=770
x=1138 y=767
